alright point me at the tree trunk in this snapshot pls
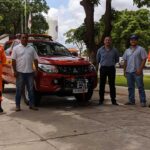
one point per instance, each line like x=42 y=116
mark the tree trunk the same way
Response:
x=108 y=20
x=89 y=24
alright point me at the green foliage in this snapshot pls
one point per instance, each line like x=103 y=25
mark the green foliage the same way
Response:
x=76 y=36
x=13 y=14
x=131 y=22
x=41 y=22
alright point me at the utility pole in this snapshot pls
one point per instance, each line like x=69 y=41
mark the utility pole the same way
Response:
x=21 y=22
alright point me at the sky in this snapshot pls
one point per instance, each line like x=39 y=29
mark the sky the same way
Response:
x=70 y=14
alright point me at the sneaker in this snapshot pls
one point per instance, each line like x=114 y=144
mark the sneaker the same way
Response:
x=130 y=103
x=18 y=108
x=33 y=108
x=1 y=109
x=143 y=104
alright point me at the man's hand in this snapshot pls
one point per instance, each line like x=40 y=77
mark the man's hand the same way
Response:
x=15 y=73
x=138 y=72
x=35 y=73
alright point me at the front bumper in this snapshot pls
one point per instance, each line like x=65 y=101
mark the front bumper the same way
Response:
x=66 y=84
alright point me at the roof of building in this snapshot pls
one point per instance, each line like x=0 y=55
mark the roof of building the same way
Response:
x=73 y=50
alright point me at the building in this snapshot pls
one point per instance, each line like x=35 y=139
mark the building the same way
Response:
x=53 y=27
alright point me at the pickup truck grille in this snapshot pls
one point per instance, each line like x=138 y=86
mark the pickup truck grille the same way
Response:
x=73 y=70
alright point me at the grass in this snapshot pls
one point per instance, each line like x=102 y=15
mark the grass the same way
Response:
x=121 y=81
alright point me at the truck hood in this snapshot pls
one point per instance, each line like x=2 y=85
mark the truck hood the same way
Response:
x=66 y=60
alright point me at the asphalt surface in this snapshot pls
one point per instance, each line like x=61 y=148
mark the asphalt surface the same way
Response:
x=62 y=124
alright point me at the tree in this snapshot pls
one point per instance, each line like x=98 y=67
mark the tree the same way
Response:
x=88 y=6
x=92 y=46
x=13 y=14
x=131 y=22
x=76 y=36
x=39 y=24
x=107 y=21
x=141 y=3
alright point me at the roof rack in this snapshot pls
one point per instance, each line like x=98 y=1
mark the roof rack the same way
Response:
x=35 y=36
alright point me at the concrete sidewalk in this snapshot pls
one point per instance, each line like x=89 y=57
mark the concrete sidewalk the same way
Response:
x=122 y=93
x=60 y=124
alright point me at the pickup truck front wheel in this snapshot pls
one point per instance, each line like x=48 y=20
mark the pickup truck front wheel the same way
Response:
x=84 y=97
x=37 y=97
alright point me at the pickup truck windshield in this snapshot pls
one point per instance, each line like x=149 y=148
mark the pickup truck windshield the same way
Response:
x=50 y=49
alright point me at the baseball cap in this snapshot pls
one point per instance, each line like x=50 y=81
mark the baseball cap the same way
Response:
x=134 y=37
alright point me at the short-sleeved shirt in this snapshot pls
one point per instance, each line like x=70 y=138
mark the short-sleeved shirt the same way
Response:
x=107 y=57
x=24 y=56
x=134 y=58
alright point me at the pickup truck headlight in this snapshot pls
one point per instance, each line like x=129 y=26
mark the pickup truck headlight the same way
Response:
x=91 y=68
x=48 y=68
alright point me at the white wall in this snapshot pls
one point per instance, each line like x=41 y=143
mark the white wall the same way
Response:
x=2 y=41
x=53 y=28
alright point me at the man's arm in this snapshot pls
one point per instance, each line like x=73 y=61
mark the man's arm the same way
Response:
x=124 y=67
x=36 y=64
x=139 y=71
x=14 y=67
x=97 y=59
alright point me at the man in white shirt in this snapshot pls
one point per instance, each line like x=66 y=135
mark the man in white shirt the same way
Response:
x=23 y=57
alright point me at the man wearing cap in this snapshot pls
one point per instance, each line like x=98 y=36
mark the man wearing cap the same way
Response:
x=135 y=57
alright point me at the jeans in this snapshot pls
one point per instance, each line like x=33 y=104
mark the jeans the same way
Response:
x=22 y=80
x=109 y=72
x=132 y=78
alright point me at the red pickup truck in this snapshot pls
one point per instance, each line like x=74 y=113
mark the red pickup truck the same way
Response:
x=59 y=73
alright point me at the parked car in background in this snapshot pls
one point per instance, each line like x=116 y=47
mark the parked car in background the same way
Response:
x=60 y=73
x=147 y=64
x=120 y=63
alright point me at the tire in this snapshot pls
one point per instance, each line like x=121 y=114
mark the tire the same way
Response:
x=84 y=97
x=37 y=97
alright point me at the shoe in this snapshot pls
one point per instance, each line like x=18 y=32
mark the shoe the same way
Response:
x=115 y=104
x=143 y=104
x=33 y=108
x=1 y=109
x=18 y=108
x=130 y=103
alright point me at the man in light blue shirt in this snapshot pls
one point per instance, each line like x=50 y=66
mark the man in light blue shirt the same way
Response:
x=135 y=57
x=107 y=57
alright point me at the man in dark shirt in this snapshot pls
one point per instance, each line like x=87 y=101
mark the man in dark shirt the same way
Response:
x=107 y=57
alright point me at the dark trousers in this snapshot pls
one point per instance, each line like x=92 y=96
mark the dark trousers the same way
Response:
x=109 y=72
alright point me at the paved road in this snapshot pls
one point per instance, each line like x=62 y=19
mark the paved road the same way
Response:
x=62 y=124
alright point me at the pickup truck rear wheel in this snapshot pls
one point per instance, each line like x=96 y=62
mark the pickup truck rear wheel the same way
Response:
x=37 y=97
x=84 y=97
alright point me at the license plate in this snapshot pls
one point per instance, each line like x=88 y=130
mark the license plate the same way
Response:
x=80 y=90
x=81 y=87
